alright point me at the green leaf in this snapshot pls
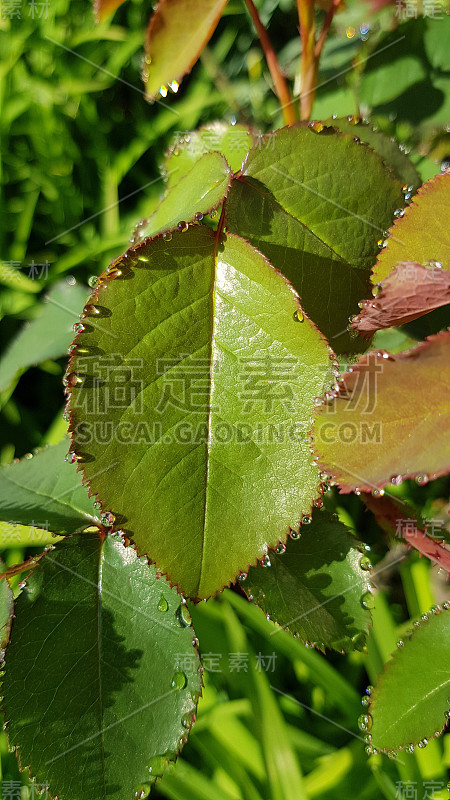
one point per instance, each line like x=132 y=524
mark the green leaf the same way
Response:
x=386 y=147
x=102 y=666
x=6 y=611
x=386 y=421
x=316 y=205
x=396 y=64
x=45 y=491
x=47 y=336
x=233 y=141
x=422 y=234
x=204 y=457
x=411 y=701
x=177 y=33
x=315 y=587
x=197 y=192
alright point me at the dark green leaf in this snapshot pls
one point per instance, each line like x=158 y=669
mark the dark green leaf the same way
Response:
x=315 y=588
x=411 y=701
x=316 y=205
x=102 y=678
x=45 y=491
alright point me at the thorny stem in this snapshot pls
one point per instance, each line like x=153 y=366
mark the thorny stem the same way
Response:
x=280 y=84
x=311 y=51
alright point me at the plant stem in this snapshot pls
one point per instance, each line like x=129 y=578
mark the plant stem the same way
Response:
x=280 y=84
x=311 y=51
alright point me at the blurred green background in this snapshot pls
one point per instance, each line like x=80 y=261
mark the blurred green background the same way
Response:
x=80 y=165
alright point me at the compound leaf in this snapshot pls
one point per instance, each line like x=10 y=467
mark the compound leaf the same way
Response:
x=190 y=404
x=101 y=671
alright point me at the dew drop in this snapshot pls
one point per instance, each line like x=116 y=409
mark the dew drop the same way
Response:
x=369 y=689
x=167 y=236
x=163 y=605
x=423 y=743
x=298 y=316
x=281 y=548
x=294 y=534
x=78 y=327
x=376 y=290
x=365 y=701
x=368 y=600
x=400 y=644
x=377 y=492
x=422 y=479
x=214 y=213
x=410 y=748
x=265 y=561
x=179 y=680
x=306 y=520
x=242 y=577
x=93 y=281
x=183 y=616
x=157 y=765
x=163 y=91
x=399 y=212
x=194 y=641
x=182 y=226
x=365 y=723
x=107 y=519
x=174 y=86
x=198 y=217
x=365 y=563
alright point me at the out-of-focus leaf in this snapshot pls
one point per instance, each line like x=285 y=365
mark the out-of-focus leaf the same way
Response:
x=406 y=294
x=410 y=702
x=422 y=234
x=46 y=492
x=386 y=147
x=314 y=587
x=176 y=35
x=233 y=141
x=103 y=8
x=197 y=192
x=47 y=336
x=316 y=204
x=211 y=359
x=386 y=420
x=102 y=659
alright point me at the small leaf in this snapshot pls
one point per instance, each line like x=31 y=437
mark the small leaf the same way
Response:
x=422 y=234
x=411 y=702
x=46 y=492
x=233 y=141
x=315 y=587
x=387 y=420
x=316 y=204
x=47 y=336
x=199 y=191
x=201 y=452
x=386 y=147
x=177 y=33
x=103 y=8
x=406 y=294
x=106 y=678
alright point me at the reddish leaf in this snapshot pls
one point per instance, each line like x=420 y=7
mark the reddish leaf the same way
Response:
x=407 y=293
x=387 y=420
x=177 y=33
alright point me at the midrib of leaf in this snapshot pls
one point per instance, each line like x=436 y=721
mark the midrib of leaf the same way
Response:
x=99 y=658
x=417 y=705
x=54 y=499
x=217 y=237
